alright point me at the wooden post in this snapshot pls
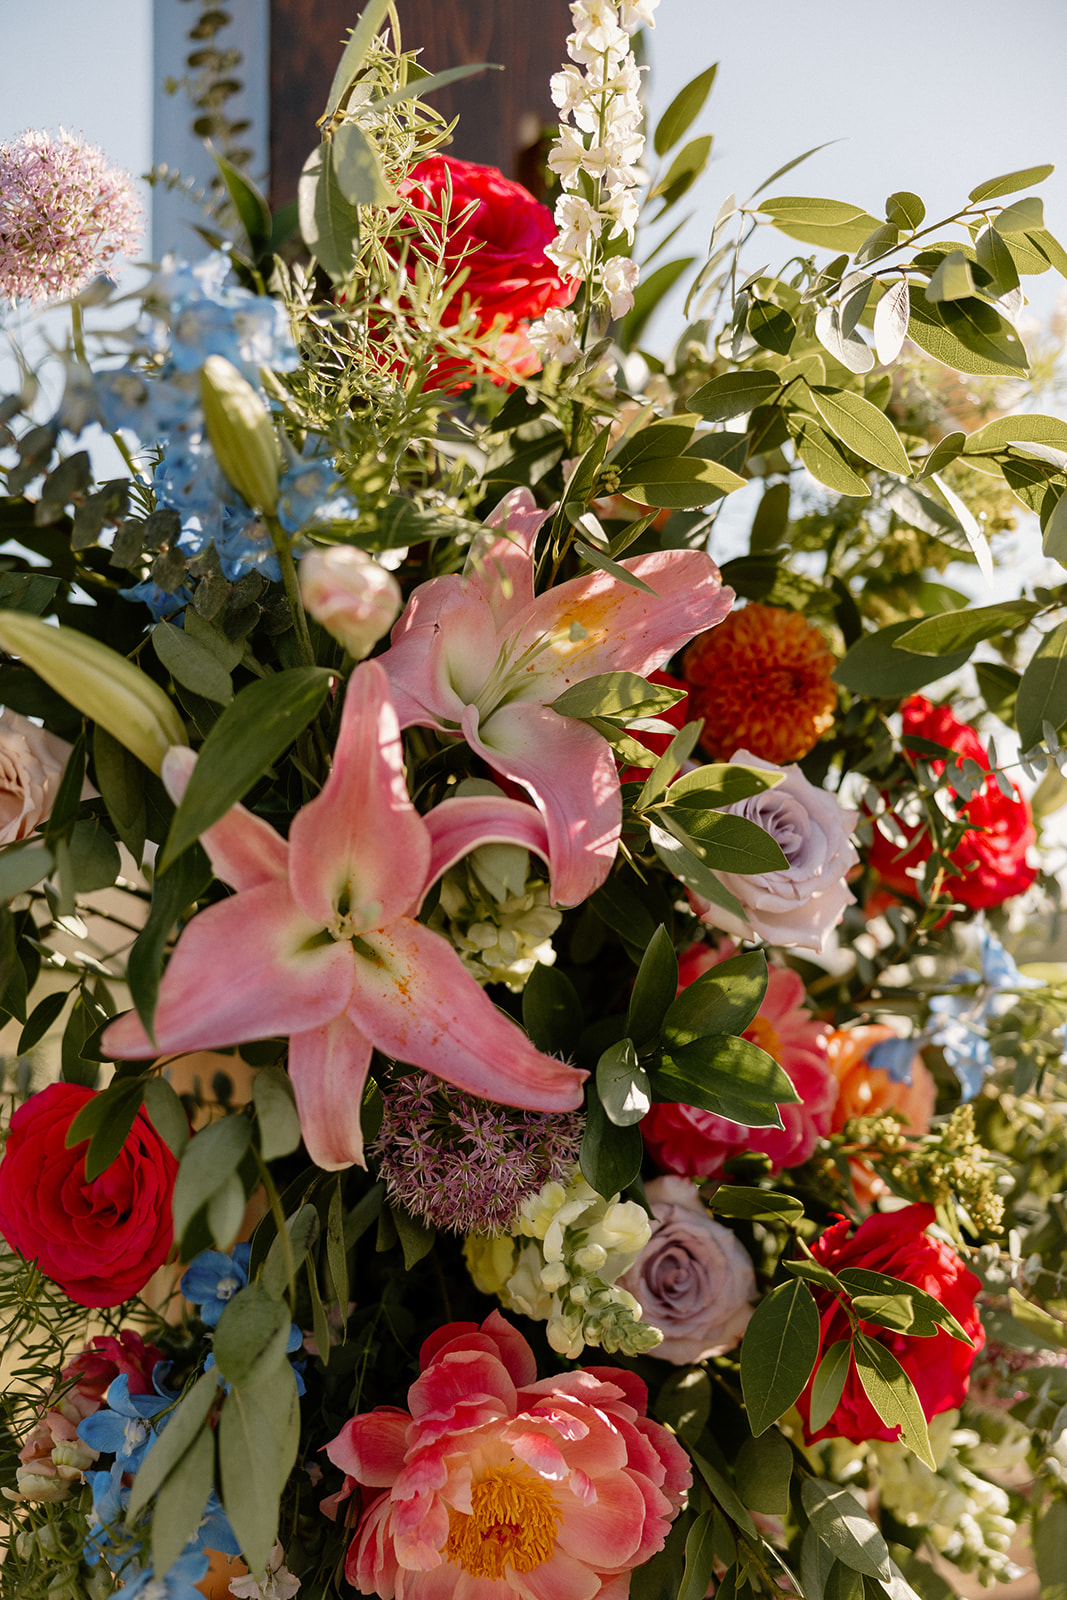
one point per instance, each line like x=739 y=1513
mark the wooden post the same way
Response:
x=502 y=114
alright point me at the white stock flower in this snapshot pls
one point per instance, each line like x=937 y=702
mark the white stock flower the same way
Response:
x=554 y=337
x=622 y=209
x=619 y=277
x=634 y=14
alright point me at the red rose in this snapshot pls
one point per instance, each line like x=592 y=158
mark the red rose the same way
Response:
x=895 y=1243
x=992 y=853
x=497 y=238
x=100 y=1241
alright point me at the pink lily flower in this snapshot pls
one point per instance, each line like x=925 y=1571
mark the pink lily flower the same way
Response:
x=480 y=656
x=320 y=941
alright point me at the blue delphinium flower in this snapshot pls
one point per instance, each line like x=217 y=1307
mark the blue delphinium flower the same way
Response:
x=160 y=602
x=110 y=1500
x=212 y=1279
x=960 y=1022
x=179 y=1583
x=311 y=492
x=893 y=1056
x=122 y=1426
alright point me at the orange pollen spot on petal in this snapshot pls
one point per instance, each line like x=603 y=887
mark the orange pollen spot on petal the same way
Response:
x=760 y=1033
x=512 y=1523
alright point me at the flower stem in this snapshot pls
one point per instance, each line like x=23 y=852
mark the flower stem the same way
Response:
x=284 y=552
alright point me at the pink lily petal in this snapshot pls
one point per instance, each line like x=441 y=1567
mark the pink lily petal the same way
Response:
x=569 y=771
x=244 y=851
x=503 y=568
x=360 y=848
x=328 y=1067
x=441 y=652
x=622 y=629
x=421 y=1005
x=456 y=827
x=247 y=968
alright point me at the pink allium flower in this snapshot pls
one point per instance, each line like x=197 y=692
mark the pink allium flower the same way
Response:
x=496 y=1484
x=696 y=1143
x=65 y=214
x=461 y=1162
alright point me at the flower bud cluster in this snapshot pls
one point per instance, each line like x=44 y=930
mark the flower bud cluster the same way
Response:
x=597 y=160
x=498 y=917
x=567 y=1247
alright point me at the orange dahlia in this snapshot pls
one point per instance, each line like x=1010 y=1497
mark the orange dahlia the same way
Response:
x=761 y=681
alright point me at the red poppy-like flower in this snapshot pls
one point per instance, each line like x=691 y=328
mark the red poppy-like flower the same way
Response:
x=895 y=1242
x=992 y=853
x=476 y=222
x=495 y=1484
x=696 y=1143
x=100 y=1241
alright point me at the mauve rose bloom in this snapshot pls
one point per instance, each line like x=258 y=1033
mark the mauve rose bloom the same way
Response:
x=801 y=903
x=694 y=1279
x=31 y=765
x=355 y=599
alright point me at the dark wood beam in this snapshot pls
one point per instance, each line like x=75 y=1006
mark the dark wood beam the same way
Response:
x=502 y=114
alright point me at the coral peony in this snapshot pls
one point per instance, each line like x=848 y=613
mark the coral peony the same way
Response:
x=896 y=1243
x=761 y=681
x=992 y=853
x=696 y=1143
x=65 y=214
x=100 y=1241
x=496 y=1484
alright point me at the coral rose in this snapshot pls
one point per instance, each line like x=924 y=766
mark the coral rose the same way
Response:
x=31 y=765
x=694 y=1280
x=495 y=1484
x=799 y=904
x=100 y=1241
x=761 y=681
x=697 y=1143
x=992 y=853
x=896 y=1243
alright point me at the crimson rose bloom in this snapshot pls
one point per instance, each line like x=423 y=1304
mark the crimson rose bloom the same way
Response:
x=895 y=1242
x=992 y=853
x=500 y=245
x=100 y=1241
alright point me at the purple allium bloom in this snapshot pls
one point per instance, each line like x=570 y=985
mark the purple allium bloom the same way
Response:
x=65 y=214
x=459 y=1162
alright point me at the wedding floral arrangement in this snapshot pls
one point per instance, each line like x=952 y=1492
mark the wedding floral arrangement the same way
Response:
x=536 y=1053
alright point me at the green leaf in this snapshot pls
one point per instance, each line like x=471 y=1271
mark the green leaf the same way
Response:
x=721 y=783
x=329 y=223
x=945 y=451
x=253 y=731
x=419 y=88
x=771 y=522
x=357 y=169
x=371 y=18
x=723 y=1000
x=94 y=856
x=723 y=841
x=287 y=1249
x=771 y=326
x=683 y=111
x=654 y=988
x=40 y=1019
x=166 y=1113
x=723 y=1492
x=1049 y=1329
x=1022 y=216
x=106 y=1121
x=734 y=394
x=551 y=1010
x=893 y=1311
x=276 y=1113
x=952 y=279
x=778 y=1353
x=863 y=428
x=622 y=1084
x=664 y=436
x=1042 y=693
x=1046 y=246
x=167 y=1449
x=603 y=563
x=699 y=1559
x=259 y=1435
x=849 y=348
x=610 y=1157
x=960 y=630
x=683 y=171
x=210 y=1160
x=22 y=866
x=252 y=1333
x=1010 y=183
x=892 y=1394
x=669 y=764
x=839 y=1519
x=27 y=591
x=891 y=317
x=823 y=457
x=829 y=1383
x=763 y=1471
x=647 y=296
x=841 y=1583
x=727 y=1076
x=678 y=483
x=181 y=1500
x=905 y=209
x=830 y=224
x=336 y=1252
x=616 y=694
x=968 y=336
x=1050 y=1548
x=416 y=1239
x=120 y=777
x=873 y=667
x=755 y=1205
x=996 y=258
x=691 y=871
x=1054 y=535
x=251 y=206
x=684 y=1402
x=173 y=892
x=1000 y=434
x=998 y=685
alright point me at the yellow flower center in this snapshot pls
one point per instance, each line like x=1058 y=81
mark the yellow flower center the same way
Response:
x=512 y=1524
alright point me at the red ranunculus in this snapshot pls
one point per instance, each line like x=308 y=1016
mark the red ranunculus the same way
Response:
x=992 y=853
x=100 y=1241
x=895 y=1242
x=500 y=246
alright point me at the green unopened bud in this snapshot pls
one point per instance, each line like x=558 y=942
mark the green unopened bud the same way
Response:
x=99 y=683
x=241 y=433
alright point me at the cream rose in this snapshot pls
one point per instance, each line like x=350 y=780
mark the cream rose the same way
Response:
x=353 y=597
x=31 y=765
x=801 y=903
x=694 y=1281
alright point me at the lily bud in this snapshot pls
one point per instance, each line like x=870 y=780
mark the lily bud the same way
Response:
x=99 y=683
x=353 y=597
x=241 y=433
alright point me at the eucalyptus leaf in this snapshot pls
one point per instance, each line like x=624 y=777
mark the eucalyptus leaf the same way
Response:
x=276 y=1113
x=169 y=1446
x=763 y=1471
x=734 y=394
x=1042 y=693
x=173 y=892
x=357 y=169
x=968 y=336
x=699 y=1559
x=329 y=223
x=755 y=1205
x=891 y=321
x=258 y=1435
x=831 y=224
x=683 y=111
x=181 y=1500
x=829 y=1383
x=210 y=1160
x=616 y=694
x=874 y=667
x=958 y=630
x=1010 y=183
x=251 y=1335
x=863 y=428
x=823 y=458
x=120 y=778
x=850 y=350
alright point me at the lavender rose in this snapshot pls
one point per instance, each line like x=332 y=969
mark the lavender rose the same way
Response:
x=694 y=1280
x=801 y=903
x=31 y=765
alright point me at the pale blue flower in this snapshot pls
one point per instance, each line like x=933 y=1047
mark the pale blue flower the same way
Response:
x=212 y=1279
